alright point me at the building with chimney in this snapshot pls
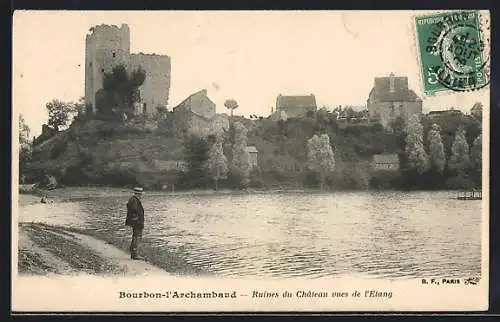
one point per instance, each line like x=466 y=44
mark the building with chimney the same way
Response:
x=194 y=115
x=390 y=97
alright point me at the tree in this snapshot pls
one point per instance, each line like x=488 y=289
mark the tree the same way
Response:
x=416 y=156
x=217 y=162
x=320 y=158
x=79 y=106
x=24 y=132
x=459 y=159
x=79 y=109
x=398 y=130
x=161 y=111
x=25 y=146
x=349 y=113
x=477 y=153
x=195 y=154
x=231 y=105
x=120 y=91
x=59 y=113
x=240 y=162
x=477 y=111
x=436 y=149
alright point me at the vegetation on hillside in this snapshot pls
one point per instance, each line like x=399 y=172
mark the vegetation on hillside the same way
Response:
x=59 y=113
x=25 y=147
x=320 y=158
x=329 y=150
x=437 y=158
x=120 y=92
x=240 y=166
x=231 y=105
x=216 y=164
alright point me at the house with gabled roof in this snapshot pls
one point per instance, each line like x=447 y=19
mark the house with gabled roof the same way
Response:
x=289 y=106
x=194 y=114
x=390 y=98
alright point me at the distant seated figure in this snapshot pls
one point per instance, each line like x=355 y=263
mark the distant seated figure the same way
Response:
x=45 y=199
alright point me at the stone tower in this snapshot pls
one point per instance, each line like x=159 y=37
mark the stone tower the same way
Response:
x=107 y=46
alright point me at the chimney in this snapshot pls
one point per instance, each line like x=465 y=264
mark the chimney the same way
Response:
x=391 y=83
x=204 y=92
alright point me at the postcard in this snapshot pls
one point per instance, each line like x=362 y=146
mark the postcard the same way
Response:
x=250 y=161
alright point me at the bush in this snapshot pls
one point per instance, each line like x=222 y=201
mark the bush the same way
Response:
x=310 y=179
x=461 y=181
x=59 y=146
x=194 y=179
x=120 y=177
x=384 y=179
x=156 y=180
x=74 y=175
x=255 y=179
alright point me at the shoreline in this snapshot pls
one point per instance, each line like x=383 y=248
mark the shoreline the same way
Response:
x=45 y=250
x=70 y=193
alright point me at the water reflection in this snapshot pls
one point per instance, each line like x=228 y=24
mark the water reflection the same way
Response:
x=389 y=234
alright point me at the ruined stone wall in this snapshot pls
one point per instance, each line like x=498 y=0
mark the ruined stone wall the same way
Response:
x=106 y=47
x=156 y=86
x=89 y=71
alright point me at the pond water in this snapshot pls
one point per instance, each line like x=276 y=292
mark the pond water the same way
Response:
x=368 y=234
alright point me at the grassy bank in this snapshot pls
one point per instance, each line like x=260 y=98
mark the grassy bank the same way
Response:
x=172 y=262
x=45 y=249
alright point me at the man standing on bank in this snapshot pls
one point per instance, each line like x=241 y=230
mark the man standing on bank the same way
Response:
x=135 y=219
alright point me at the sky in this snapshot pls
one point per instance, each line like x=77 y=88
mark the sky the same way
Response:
x=249 y=56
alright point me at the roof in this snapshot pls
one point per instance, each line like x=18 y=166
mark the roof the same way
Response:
x=386 y=158
x=382 y=93
x=251 y=149
x=300 y=101
x=202 y=92
x=445 y=112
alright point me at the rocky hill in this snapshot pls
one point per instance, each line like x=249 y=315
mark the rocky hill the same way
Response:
x=99 y=152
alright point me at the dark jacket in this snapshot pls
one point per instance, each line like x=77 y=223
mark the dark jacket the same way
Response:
x=135 y=213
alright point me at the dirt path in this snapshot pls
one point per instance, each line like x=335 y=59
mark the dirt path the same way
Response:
x=119 y=257
x=44 y=249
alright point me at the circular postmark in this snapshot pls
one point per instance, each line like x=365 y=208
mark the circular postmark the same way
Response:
x=464 y=60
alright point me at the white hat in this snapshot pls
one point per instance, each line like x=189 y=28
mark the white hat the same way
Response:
x=138 y=190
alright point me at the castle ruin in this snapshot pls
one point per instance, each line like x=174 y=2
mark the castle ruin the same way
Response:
x=107 y=46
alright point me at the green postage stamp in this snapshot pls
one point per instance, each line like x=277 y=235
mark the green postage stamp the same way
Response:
x=453 y=50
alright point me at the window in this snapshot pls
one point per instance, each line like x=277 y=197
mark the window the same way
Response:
x=144 y=110
x=114 y=55
x=90 y=64
x=102 y=70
